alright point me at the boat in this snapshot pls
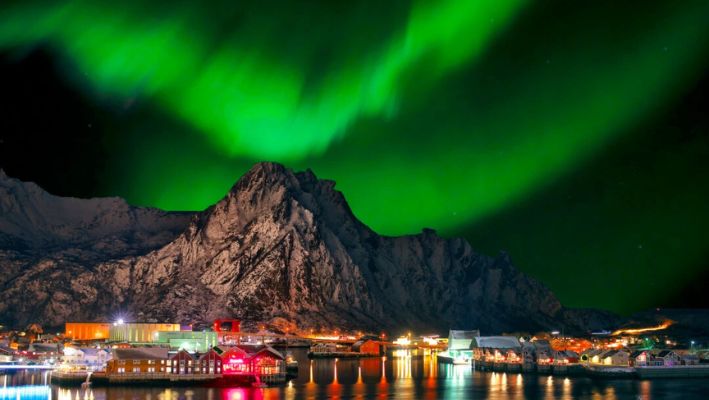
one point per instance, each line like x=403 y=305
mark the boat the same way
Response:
x=291 y=365
x=456 y=359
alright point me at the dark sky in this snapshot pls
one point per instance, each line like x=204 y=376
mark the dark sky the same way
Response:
x=574 y=137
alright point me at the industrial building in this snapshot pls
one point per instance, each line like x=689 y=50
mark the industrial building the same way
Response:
x=190 y=341
x=87 y=330
x=137 y=332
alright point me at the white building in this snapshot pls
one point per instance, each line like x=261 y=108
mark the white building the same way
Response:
x=90 y=358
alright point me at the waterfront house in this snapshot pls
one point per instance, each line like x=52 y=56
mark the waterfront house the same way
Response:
x=182 y=363
x=138 y=361
x=251 y=359
x=528 y=352
x=544 y=356
x=615 y=358
x=565 y=357
x=689 y=359
x=324 y=348
x=668 y=358
x=514 y=356
x=497 y=342
x=592 y=356
x=91 y=358
x=641 y=358
x=371 y=347
x=264 y=360
x=210 y=363
x=234 y=360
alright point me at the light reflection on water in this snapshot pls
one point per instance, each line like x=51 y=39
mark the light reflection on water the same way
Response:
x=402 y=376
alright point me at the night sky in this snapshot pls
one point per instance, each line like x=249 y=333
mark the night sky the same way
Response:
x=573 y=135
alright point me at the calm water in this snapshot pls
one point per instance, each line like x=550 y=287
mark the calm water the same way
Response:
x=393 y=378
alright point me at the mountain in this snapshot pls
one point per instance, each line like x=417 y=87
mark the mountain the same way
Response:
x=32 y=220
x=280 y=245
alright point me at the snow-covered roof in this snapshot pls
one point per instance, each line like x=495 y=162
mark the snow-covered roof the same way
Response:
x=142 y=353
x=497 y=342
x=461 y=340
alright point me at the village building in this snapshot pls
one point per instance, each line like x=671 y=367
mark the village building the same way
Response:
x=615 y=358
x=265 y=360
x=251 y=359
x=90 y=358
x=514 y=356
x=667 y=358
x=181 y=363
x=641 y=358
x=565 y=357
x=592 y=356
x=689 y=359
x=234 y=360
x=210 y=363
x=371 y=347
x=145 y=360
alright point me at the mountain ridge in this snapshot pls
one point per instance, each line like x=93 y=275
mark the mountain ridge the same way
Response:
x=286 y=245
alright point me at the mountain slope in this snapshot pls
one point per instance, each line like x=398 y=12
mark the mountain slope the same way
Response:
x=284 y=244
x=32 y=219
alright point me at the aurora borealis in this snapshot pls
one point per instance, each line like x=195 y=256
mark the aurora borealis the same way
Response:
x=510 y=122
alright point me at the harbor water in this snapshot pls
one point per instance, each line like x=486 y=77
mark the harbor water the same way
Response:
x=395 y=377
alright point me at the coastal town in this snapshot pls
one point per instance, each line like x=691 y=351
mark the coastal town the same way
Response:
x=169 y=354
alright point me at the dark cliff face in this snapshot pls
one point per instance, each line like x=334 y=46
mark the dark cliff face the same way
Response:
x=285 y=244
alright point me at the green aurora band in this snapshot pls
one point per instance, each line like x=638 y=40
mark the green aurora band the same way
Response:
x=247 y=103
x=427 y=114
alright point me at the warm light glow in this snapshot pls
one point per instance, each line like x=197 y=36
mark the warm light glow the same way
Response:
x=636 y=331
x=402 y=341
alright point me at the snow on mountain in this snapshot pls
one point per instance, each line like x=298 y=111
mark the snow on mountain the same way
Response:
x=279 y=245
x=31 y=218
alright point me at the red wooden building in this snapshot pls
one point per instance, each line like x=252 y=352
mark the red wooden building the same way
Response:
x=182 y=363
x=370 y=347
x=209 y=363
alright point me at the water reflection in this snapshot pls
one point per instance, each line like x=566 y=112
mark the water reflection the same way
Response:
x=398 y=376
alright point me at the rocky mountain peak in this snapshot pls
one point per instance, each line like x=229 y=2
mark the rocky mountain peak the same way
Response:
x=283 y=245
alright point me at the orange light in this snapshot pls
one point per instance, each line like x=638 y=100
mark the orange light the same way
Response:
x=636 y=331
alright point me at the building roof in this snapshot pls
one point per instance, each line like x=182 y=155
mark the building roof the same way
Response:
x=142 y=353
x=462 y=340
x=358 y=344
x=609 y=353
x=90 y=351
x=44 y=347
x=593 y=352
x=664 y=353
x=497 y=342
x=185 y=352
